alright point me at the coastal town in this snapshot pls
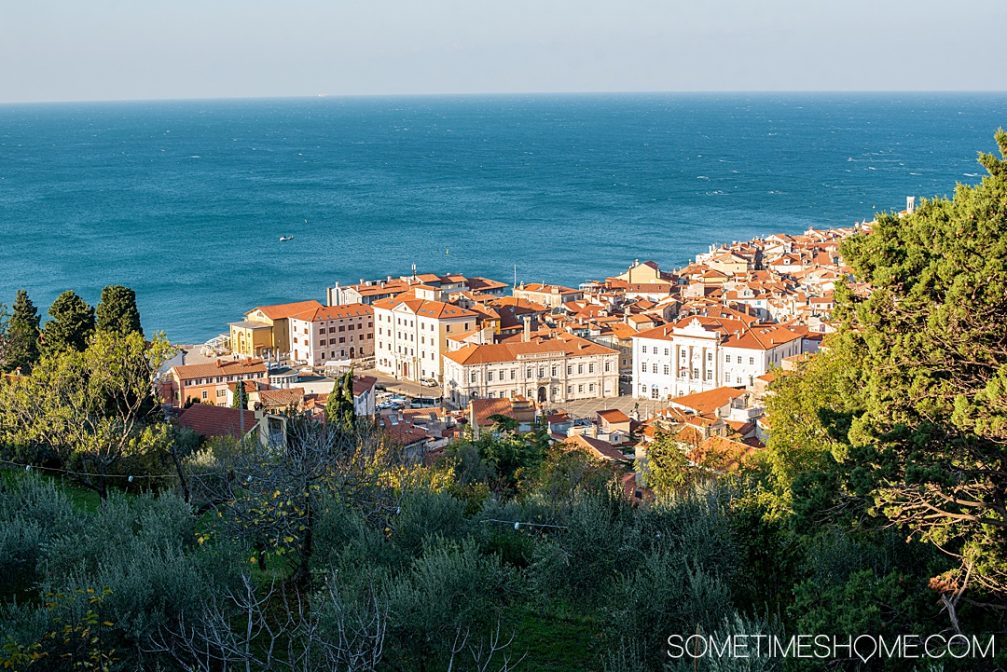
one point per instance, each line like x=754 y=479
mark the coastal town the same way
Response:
x=605 y=367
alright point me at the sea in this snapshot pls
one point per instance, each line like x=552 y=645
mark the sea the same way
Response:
x=186 y=201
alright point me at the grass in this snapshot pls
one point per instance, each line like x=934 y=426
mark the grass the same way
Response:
x=553 y=643
x=81 y=498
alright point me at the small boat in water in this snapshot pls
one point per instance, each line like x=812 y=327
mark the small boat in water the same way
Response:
x=284 y=239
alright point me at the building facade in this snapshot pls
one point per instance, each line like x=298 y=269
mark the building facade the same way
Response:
x=564 y=368
x=410 y=334
x=700 y=354
x=265 y=331
x=332 y=333
x=550 y=296
x=209 y=383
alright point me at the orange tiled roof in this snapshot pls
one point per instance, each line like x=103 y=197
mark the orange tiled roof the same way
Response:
x=562 y=343
x=709 y=401
x=281 y=311
x=208 y=420
x=334 y=312
x=220 y=367
x=613 y=415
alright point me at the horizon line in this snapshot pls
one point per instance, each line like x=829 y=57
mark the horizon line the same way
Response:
x=486 y=94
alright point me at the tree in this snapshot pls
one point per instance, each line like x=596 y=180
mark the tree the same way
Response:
x=71 y=325
x=117 y=310
x=276 y=496
x=339 y=409
x=909 y=403
x=4 y=336
x=93 y=409
x=240 y=396
x=667 y=467
x=22 y=335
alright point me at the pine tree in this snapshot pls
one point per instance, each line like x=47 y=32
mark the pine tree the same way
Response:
x=904 y=415
x=117 y=311
x=71 y=325
x=22 y=335
x=339 y=409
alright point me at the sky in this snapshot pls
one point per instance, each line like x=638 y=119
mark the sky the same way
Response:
x=66 y=50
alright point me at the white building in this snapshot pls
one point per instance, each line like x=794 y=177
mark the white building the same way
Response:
x=752 y=353
x=332 y=333
x=559 y=369
x=697 y=354
x=411 y=332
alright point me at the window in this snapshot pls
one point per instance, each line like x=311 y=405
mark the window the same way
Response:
x=608 y=366
x=580 y=368
x=643 y=367
x=489 y=376
x=727 y=359
x=751 y=360
x=709 y=356
x=653 y=368
x=644 y=349
x=667 y=369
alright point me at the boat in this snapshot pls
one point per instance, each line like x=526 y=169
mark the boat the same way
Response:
x=284 y=239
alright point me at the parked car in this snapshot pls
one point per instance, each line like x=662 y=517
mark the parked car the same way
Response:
x=429 y=382
x=425 y=402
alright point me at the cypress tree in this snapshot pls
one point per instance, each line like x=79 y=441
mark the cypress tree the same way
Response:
x=71 y=325
x=22 y=335
x=339 y=408
x=240 y=397
x=117 y=311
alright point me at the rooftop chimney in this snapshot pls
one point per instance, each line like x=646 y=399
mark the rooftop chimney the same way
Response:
x=526 y=336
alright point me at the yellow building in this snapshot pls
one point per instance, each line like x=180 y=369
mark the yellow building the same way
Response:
x=266 y=329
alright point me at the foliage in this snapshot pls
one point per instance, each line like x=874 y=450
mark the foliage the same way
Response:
x=70 y=326
x=117 y=311
x=78 y=645
x=904 y=416
x=93 y=409
x=339 y=409
x=667 y=467
x=240 y=399
x=21 y=348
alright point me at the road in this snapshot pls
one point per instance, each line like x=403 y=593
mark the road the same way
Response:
x=401 y=386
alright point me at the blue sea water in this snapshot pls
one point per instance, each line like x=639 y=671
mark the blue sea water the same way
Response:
x=185 y=201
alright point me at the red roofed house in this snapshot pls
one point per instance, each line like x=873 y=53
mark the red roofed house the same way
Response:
x=209 y=383
x=265 y=330
x=218 y=421
x=556 y=369
x=550 y=296
x=332 y=333
x=411 y=332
